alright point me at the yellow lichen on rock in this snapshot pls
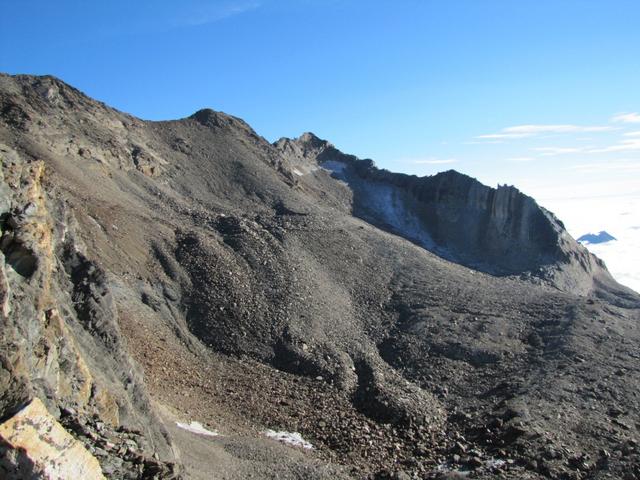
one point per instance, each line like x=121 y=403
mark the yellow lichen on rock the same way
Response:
x=73 y=379
x=107 y=406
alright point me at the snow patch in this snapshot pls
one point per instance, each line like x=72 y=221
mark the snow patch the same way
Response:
x=294 y=439
x=334 y=166
x=302 y=168
x=447 y=468
x=197 y=427
x=495 y=463
x=491 y=463
x=389 y=205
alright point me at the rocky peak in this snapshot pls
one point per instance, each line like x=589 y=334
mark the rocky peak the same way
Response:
x=220 y=120
x=307 y=146
x=310 y=141
x=208 y=117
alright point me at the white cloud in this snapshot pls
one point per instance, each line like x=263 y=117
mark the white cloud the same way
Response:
x=520 y=159
x=630 y=145
x=552 y=151
x=600 y=167
x=525 y=131
x=483 y=140
x=614 y=208
x=210 y=13
x=433 y=161
x=537 y=129
x=168 y=16
x=632 y=117
x=501 y=136
x=624 y=146
x=622 y=258
x=216 y=12
x=633 y=134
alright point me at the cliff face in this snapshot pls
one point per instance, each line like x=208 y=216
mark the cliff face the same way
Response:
x=499 y=231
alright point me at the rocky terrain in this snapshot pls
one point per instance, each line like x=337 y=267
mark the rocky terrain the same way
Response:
x=157 y=273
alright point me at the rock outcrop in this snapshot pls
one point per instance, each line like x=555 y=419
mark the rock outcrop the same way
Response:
x=33 y=445
x=60 y=340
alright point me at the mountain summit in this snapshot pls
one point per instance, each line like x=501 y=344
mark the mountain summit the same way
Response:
x=178 y=296
x=600 y=237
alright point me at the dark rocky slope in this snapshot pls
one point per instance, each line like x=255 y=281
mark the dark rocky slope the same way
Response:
x=256 y=290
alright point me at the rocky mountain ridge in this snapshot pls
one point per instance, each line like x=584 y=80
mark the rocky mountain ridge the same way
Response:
x=163 y=272
x=500 y=231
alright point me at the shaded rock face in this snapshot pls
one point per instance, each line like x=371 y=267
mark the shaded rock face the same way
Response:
x=499 y=231
x=258 y=287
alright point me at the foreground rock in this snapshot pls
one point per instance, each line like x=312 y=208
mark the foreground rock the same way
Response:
x=33 y=445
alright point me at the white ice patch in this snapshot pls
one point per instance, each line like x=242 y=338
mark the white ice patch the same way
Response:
x=333 y=166
x=495 y=463
x=303 y=168
x=294 y=439
x=388 y=204
x=197 y=427
x=445 y=468
x=490 y=463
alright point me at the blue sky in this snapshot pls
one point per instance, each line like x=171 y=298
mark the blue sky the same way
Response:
x=537 y=93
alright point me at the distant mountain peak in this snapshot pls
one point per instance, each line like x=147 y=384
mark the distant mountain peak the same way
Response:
x=600 y=237
x=310 y=137
x=210 y=118
x=222 y=121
